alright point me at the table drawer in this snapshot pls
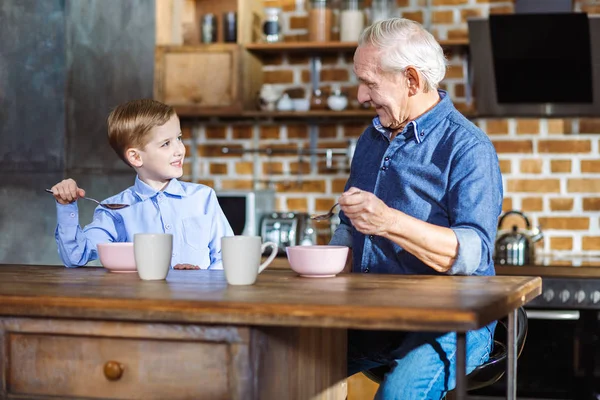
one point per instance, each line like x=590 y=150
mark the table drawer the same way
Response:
x=76 y=366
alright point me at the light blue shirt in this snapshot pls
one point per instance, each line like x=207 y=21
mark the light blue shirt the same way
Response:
x=189 y=211
x=441 y=169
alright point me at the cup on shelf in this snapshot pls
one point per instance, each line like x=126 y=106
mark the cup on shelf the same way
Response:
x=301 y=105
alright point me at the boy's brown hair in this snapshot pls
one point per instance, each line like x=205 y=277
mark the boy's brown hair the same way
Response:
x=130 y=123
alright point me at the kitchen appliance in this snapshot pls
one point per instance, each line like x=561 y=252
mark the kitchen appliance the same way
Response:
x=245 y=208
x=561 y=356
x=516 y=247
x=518 y=71
x=288 y=229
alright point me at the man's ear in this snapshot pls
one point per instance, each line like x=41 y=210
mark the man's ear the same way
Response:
x=134 y=157
x=414 y=80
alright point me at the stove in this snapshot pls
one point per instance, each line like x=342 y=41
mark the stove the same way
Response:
x=561 y=357
x=563 y=287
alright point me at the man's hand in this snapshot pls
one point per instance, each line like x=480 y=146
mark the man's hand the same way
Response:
x=186 y=266
x=368 y=214
x=66 y=191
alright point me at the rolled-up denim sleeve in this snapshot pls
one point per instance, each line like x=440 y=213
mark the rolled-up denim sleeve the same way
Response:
x=469 y=252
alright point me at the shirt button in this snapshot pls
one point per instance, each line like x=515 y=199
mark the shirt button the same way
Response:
x=174 y=254
x=371 y=237
x=383 y=168
x=72 y=215
x=387 y=159
x=366 y=270
x=422 y=133
x=167 y=226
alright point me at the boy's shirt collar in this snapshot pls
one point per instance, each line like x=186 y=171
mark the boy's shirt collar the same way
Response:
x=144 y=191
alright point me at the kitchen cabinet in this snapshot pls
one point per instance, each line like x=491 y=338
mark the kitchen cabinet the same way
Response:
x=223 y=79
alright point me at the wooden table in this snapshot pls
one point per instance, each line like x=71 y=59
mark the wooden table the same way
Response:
x=84 y=332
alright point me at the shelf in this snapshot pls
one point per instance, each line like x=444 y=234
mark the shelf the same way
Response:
x=326 y=47
x=364 y=115
x=190 y=112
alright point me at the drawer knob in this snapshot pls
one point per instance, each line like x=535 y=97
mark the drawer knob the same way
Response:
x=113 y=370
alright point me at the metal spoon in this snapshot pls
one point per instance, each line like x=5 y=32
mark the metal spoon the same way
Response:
x=105 y=205
x=323 y=217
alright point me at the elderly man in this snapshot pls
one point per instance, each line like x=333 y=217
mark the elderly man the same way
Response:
x=423 y=197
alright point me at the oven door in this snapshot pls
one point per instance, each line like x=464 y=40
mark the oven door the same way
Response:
x=559 y=359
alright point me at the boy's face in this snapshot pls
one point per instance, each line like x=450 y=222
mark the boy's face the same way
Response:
x=162 y=158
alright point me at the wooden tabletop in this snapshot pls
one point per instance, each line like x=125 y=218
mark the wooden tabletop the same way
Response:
x=279 y=298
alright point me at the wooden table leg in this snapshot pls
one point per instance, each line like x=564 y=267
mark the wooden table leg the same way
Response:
x=299 y=363
x=461 y=366
x=511 y=366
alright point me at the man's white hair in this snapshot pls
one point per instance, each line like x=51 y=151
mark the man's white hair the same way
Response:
x=404 y=43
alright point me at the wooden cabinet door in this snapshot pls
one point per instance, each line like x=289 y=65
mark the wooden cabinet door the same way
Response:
x=199 y=78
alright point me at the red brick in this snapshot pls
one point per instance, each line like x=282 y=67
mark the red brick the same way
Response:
x=218 y=169
x=560 y=166
x=591 y=204
x=532 y=204
x=528 y=126
x=496 y=126
x=591 y=166
x=583 y=185
x=533 y=185
x=590 y=243
x=561 y=243
x=561 y=204
x=278 y=76
x=531 y=166
x=564 y=146
x=513 y=146
x=565 y=223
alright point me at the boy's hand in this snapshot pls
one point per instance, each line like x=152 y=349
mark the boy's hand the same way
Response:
x=186 y=266
x=67 y=192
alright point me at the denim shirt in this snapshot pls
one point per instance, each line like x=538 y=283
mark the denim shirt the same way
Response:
x=188 y=211
x=441 y=169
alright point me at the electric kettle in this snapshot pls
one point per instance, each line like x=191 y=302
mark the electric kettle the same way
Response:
x=516 y=246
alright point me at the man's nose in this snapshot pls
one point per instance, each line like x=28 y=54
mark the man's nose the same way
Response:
x=363 y=94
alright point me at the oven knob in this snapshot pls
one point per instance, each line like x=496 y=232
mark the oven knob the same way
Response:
x=564 y=296
x=595 y=297
x=548 y=295
x=580 y=296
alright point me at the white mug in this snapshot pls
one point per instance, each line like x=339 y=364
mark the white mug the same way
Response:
x=152 y=253
x=241 y=258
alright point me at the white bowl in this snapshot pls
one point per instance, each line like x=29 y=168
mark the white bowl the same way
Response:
x=317 y=261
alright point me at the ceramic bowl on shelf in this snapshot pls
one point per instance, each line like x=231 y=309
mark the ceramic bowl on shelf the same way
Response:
x=317 y=261
x=117 y=256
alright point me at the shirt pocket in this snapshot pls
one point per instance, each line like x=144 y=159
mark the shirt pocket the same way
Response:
x=196 y=232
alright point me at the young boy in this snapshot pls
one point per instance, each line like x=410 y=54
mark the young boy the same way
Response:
x=146 y=135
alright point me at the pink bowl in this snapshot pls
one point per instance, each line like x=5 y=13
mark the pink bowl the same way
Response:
x=317 y=261
x=117 y=257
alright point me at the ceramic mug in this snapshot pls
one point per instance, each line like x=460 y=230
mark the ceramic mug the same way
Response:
x=241 y=258
x=152 y=253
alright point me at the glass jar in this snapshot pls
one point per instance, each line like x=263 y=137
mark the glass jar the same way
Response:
x=272 y=25
x=320 y=21
x=382 y=9
x=352 y=20
x=209 y=28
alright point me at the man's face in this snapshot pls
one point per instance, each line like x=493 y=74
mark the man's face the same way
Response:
x=386 y=91
x=162 y=158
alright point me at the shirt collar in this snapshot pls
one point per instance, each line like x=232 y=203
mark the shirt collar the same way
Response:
x=144 y=191
x=421 y=126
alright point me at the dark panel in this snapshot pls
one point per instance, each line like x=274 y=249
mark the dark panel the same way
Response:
x=27 y=219
x=110 y=58
x=32 y=85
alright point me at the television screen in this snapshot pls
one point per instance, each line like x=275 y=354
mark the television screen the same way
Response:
x=542 y=58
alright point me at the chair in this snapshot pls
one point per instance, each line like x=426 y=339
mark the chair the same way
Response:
x=493 y=369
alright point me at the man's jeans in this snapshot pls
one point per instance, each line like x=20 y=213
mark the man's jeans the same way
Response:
x=423 y=364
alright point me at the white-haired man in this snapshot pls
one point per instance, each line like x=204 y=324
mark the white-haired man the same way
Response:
x=423 y=197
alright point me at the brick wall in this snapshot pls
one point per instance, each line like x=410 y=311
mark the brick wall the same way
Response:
x=550 y=167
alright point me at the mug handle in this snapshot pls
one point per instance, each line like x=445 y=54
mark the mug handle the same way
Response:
x=271 y=256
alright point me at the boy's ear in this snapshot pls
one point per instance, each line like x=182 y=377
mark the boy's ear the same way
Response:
x=134 y=157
